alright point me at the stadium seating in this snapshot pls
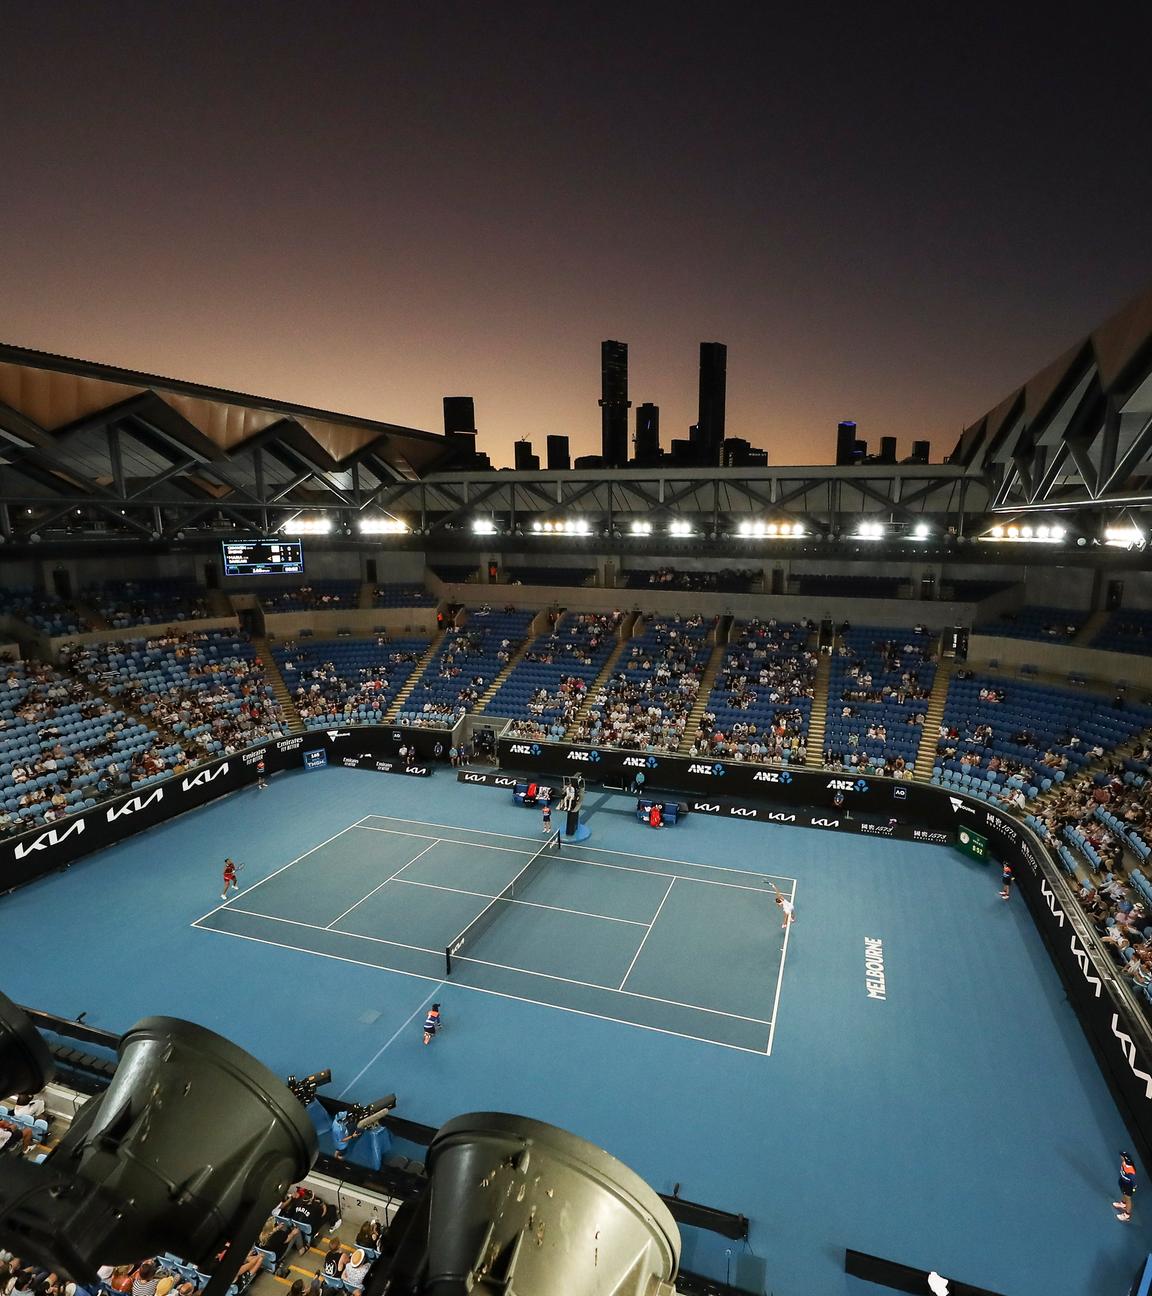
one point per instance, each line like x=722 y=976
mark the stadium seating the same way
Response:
x=1043 y=624
x=315 y=596
x=543 y=691
x=61 y=748
x=1127 y=630
x=645 y=704
x=1007 y=736
x=727 y=581
x=464 y=666
x=402 y=595
x=204 y=687
x=551 y=575
x=346 y=681
x=155 y=602
x=765 y=685
x=878 y=690
x=45 y=612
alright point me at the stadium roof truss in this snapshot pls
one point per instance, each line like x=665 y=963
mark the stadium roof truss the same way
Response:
x=1078 y=435
x=92 y=449
x=156 y=456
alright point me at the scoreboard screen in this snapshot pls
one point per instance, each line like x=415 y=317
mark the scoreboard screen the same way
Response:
x=263 y=557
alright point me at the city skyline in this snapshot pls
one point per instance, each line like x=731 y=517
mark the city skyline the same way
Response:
x=366 y=212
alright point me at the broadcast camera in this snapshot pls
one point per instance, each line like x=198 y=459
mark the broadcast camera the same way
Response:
x=305 y=1090
x=360 y=1119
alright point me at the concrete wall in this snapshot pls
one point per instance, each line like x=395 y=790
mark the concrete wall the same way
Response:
x=142 y=632
x=401 y=623
x=1061 y=659
x=786 y=607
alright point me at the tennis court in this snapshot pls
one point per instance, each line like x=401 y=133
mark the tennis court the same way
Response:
x=580 y=928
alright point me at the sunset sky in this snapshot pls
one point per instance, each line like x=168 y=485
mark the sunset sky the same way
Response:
x=888 y=213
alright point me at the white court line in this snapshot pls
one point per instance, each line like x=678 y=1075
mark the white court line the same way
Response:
x=571 y=846
x=646 y=934
x=282 y=867
x=450 y=841
x=500 y=994
x=371 y=893
x=391 y=1040
x=296 y=922
x=465 y=958
x=589 y=863
x=780 y=979
x=532 y=904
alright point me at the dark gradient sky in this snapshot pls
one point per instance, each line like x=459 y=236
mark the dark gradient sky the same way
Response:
x=892 y=213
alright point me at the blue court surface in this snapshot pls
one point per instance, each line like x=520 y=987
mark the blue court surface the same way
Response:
x=639 y=991
x=590 y=930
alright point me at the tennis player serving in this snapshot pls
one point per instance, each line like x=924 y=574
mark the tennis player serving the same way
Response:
x=786 y=906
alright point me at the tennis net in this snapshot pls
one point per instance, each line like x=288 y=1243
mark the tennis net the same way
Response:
x=511 y=892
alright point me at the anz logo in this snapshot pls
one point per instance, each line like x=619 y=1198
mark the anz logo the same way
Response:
x=592 y=756
x=202 y=778
x=772 y=776
x=715 y=771
x=46 y=840
x=848 y=785
x=132 y=805
x=525 y=749
x=640 y=762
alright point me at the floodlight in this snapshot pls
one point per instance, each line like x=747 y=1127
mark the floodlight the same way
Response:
x=25 y=1063
x=517 y=1205
x=188 y=1150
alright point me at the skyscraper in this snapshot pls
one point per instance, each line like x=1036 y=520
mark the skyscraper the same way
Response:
x=559 y=457
x=614 y=403
x=845 y=443
x=647 y=445
x=887 y=453
x=713 y=390
x=459 y=414
x=526 y=461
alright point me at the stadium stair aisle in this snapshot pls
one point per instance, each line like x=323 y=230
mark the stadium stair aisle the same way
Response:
x=1091 y=628
x=280 y=690
x=540 y=630
x=715 y=661
x=367 y=596
x=818 y=717
x=930 y=738
x=418 y=674
x=632 y=625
